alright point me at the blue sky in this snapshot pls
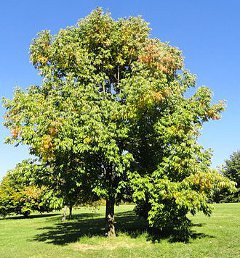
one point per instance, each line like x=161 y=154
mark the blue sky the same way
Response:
x=206 y=31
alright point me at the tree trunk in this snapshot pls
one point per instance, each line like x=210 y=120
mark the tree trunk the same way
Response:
x=110 y=228
x=70 y=211
x=26 y=214
x=64 y=213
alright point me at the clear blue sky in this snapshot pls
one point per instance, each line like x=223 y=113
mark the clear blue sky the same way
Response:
x=207 y=31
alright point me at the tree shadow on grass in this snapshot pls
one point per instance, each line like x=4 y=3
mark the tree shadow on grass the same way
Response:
x=33 y=216
x=176 y=235
x=89 y=224
x=69 y=232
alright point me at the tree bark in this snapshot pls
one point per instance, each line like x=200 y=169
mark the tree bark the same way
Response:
x=70 y=211
x=110 y=201
x=64 y=213
x=26 y=214
x=110 y=228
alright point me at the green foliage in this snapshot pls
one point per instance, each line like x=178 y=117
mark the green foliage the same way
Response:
x=231 y=170
x=19 y=194
x=166 y=203
x=111 y=120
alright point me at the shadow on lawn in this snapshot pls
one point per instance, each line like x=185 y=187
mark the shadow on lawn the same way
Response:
x=87 y=224
x=34 y=216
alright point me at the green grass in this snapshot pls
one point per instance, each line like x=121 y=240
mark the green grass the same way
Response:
x=46 y=236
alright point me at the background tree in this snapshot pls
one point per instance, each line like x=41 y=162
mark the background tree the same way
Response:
x=69 y=190
x=111 y=118
x=20 y=195
x=231 y=170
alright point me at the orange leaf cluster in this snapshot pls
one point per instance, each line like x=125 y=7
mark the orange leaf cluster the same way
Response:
x=164 y=60
x=213 y=114
x=15 y=132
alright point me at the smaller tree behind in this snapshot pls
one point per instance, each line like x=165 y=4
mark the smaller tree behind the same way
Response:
x=231 y=169
x=20 y=195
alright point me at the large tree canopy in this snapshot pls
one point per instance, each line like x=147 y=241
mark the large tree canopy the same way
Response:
x=111 y=119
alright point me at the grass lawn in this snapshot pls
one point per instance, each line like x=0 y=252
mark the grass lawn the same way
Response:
x=46 y=236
